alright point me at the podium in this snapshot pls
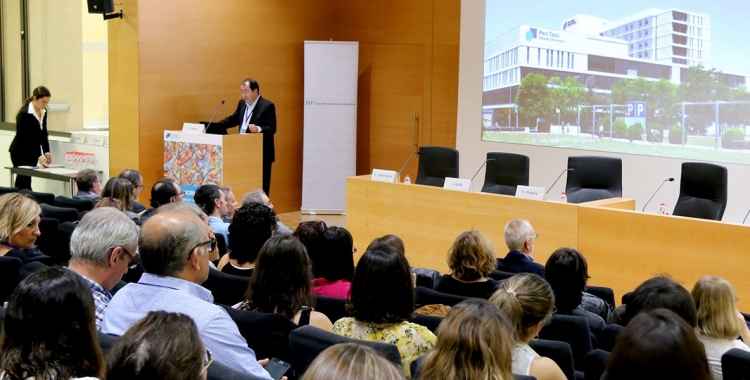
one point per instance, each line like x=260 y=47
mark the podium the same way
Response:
x=195 y=159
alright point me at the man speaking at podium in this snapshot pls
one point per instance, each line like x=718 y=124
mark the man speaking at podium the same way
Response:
x=254 y=114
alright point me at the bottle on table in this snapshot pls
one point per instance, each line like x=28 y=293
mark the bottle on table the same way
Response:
x=407 y=180
x=563 y=197
x=662 y=209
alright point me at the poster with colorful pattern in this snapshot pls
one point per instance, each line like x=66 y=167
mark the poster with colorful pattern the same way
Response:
x=192 y=160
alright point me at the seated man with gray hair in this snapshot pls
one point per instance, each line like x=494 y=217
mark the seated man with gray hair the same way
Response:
x=520 y=238
x=102 y=248
x=259 y=196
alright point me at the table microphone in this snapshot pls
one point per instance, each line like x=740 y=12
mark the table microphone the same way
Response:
x=743 y=220
x=558 y=178
x=405 y=163
x=212 y=116
x=670 y=179
x=480 y=167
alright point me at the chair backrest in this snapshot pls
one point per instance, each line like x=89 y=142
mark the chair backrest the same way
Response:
x=9 y=277
x=266 y=334
x=6 y=190
x=703 y=191
x=735 y=364
x=333 y=308
x=78 y=204
x=50 y=242
x=425 y=296
x=426 y=277
x=603 y=292
x=558 y=352
x=227 y=289
x=47 y=198
x=500 y=275
x=572 y=330
x=431 y=322
x=106 y=341
x=307 y=342
x=436 y=163
x=608 y=336
x=593 y=178
x=595 y=363
x=62 y=214
x=503 y=175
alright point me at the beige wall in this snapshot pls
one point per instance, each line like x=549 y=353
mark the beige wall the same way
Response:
x=95 y=85
x=11 y=25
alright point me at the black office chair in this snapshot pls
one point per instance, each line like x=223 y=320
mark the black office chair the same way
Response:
x=428 y=278
x=266 y=334
x=333 y=308
x=436 y=163
x=735 y=364
x=595 y=363
x=503 y=175
x=572 y=330
x=603 y=292
x=608 y=337
x=47 y=198
x=50 y=242
x=499 y=275
x=431 y=322
x=593 y=178
x=227 y=289
x=558 y=352
x=703 y=191
x=7 y=190
x=62 y=214
x=307 y=342
x=426 y=296
x=79 y=204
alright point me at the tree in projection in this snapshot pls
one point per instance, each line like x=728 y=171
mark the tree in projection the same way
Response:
x=533 y=99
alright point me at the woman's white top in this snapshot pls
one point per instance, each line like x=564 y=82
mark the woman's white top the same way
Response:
x=715 y=348
x=523 y=355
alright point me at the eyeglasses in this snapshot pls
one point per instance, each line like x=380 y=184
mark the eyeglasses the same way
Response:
x=133 y=260
x=354 y=250
x=139 y=186
x=207 y=360
x=211 y=248
x=534 y=236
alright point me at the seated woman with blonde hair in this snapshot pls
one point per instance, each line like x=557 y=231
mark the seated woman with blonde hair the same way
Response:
x=719 y=321
x=351 y=361
x=471 y=259
x=528 y=301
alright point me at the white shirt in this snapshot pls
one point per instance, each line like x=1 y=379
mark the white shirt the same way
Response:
x=715 y=348
x=523 y=355
x=249 y=108
x=32 y=111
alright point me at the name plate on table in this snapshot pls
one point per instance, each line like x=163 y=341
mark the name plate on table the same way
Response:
x=77 y=138
x=529 y=192
x=457 y=184
x=96 y=140
x=384 y=176
x=192 y=127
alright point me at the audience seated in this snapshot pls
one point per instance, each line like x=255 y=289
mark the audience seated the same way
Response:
x=258 y=196
x=351 y=361
x=163 y=346
x=89 y=185
x=661 y=292
x=310 y=233
x=282 y=283
x=381 y=302
x=719 y=321
x=232 y=204
x=165 y=190
x=174 y=247
x=471 y=259
x=102 y=249
x=19 y=228
x=520 y=238
x=474 y=341
x=213 y=255
x=658 y=344
x=136 y=181
x=214 y=203
x=336 y=264
x=251 y=227
x=118 y=193
x=567 y=273
x=49 y=330
x=528 y=301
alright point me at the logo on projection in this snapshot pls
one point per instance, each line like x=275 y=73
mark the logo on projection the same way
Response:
x=169 y=135
x=568 y=23
x=531 y=34
x=544 y=35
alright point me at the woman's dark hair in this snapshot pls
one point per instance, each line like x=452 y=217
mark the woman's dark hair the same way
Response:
x=251 y=227
x=49 y=330
x=567 y=273
x=310 y=233
x=282 y=280
x=38 y=93
x=117 y=193
x=382 y=288
x=159 y=346
x=394 y=241
x=337 y=261
x=661 y=292
x=658 y=344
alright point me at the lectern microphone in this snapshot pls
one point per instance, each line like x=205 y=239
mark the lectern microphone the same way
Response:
x=212 y=116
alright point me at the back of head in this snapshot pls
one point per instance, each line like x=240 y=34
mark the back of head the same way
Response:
x=382 y=288
x=717 y=308
x=310 y=233
x=159 y=346
x=567 y=272
x=661 y=292
x=17 y=210
x=351 y=361
x=183 y=207
x=118 y=192
x=162 y=192
x=516 y=233
x=86 y=179
x=251 y=227
x=167 y=239
x=337 y=260
x=99 y=232
x=255 y=196
x=658 y=344
x=131 y=175
x=473 y=342
x=205 y=196
x=282 y=279
x=49 y=328
x=471 y=256
x=392 y=240
x=526 y=299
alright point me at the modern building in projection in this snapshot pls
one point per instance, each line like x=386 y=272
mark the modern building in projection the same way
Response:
x=653 y=44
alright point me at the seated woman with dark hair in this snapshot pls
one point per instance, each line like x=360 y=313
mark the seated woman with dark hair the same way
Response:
x=163 y=346
x=719 y=321
x=473 y=342
x=336 y=264
x=282 y=283
x=567 y=273
x=310 y=233
x=49 y=330
x=251 y=227
x=118 y=193
x=471 y=259
x=381 y=303
x=658 y=344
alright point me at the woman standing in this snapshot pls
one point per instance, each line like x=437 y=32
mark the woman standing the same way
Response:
x=31 y=133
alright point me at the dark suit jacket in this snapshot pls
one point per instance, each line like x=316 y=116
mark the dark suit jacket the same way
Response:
x=29 y=137
x=517 y=262
x=264 y=116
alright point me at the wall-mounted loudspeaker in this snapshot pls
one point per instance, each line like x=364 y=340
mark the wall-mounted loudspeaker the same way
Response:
x=101 y=6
